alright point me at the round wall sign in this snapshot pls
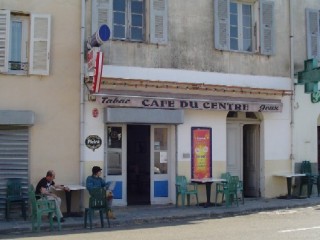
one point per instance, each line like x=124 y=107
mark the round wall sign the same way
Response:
x=93 y=142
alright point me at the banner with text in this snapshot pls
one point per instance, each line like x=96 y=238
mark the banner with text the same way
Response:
x=228 y=104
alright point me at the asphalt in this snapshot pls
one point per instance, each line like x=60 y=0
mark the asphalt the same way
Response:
x=135 y=216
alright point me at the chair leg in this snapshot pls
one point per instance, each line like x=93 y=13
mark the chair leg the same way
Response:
x=7 y=210
x=183 y=196
x=177 y=197
x=197 y=199
x=91 y=212
x=51 y=221
x=85 y=217
x=101 y=211
x=188 y=199
x=23 y=208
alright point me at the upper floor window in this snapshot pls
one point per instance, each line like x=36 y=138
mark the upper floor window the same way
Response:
x=240 y=27
x=236 y=27
x=313 y=33
x=128 y=19
x=24 y=43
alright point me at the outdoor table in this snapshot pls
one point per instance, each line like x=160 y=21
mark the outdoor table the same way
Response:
x=208 y=182
x=289 y=177
x=72 y=187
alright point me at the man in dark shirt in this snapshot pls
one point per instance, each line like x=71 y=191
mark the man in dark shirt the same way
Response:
x=45 y=186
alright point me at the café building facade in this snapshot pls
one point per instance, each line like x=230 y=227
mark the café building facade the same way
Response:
x=148 y=125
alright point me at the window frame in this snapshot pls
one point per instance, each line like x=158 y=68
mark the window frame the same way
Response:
x=240 y=26
x=128 y=25
x=24 y=52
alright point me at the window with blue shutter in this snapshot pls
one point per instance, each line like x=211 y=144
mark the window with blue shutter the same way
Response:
x=234 y=26
x=127 y=19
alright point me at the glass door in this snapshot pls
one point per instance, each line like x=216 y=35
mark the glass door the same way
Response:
x=115 y=160
x=161 y=160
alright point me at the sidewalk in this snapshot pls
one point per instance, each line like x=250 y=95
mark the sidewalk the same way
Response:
x=136 y=215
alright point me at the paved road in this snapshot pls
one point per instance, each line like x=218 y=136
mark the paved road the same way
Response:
x=299 y=223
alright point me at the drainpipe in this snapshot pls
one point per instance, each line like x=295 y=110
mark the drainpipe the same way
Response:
x=292 y=98
x=82 y=88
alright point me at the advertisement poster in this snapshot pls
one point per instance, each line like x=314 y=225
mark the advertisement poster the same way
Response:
x=201 y=153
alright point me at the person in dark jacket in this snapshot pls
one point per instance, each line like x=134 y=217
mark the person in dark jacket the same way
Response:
x=95 y=181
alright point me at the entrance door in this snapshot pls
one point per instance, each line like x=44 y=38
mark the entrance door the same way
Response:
x=251 y=160
x=138 y=164
x=243 y=155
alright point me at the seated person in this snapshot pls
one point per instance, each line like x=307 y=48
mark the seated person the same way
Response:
x=95 y=181
x=45 y=186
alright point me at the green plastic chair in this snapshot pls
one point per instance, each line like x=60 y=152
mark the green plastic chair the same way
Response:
x=240 y=188
x=41 y=206
x=15 y=196
x=220 y=187
x=228 y=189
x=97 y=202
x=310 y=179
x=185 y=189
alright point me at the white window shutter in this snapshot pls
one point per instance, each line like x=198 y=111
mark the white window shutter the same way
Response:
x=4 y=39
x=267 y=28
x=313 y=34
x=102 y=13
x=40 y=34
x=159 y=21
x=222 y=24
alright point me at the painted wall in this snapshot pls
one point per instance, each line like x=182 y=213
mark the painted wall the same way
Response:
x=306 y=115
x=191 y=44
x=55 y=99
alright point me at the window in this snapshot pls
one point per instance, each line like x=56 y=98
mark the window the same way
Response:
x=24 y=43
x=160 y=151
x=128 y=19
x=114 y=152
x=236 y=29
x=313 y=33
x=240 y=27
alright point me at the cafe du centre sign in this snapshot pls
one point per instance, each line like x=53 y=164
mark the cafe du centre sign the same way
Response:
x=230 y=104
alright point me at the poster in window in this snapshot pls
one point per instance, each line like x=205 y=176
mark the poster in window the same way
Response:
x=201 y=165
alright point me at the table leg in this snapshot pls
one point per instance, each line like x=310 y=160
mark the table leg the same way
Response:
x=289 y=184
x=208 y=192
x=68 y=202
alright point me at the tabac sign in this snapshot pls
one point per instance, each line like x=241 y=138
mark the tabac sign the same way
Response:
x=203 y=104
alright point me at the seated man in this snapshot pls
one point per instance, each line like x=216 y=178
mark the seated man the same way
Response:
x=45 y=186
x=95 y=181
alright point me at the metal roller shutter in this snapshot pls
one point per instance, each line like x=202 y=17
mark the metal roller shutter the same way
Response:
x=14 y=161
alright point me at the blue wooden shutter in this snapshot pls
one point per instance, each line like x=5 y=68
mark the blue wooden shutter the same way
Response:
x=267 y=27
x=313 y=34
x=222 y=24
x=159 y=21
x=101 y=14
x=4 y=39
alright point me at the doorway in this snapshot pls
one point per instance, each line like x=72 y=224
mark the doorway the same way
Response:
x=138 y=164
x=243 y=150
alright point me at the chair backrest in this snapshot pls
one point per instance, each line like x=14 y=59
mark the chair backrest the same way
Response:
x=98 y=198
x=32 y=199
x=233 y=183
x=14 y=189
x=306 y=167
x=226 y=176
x=181 y=182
